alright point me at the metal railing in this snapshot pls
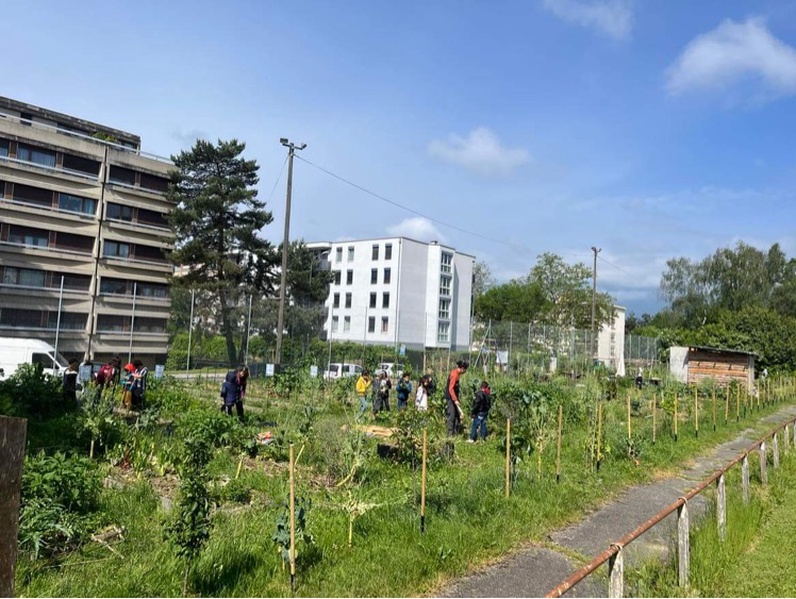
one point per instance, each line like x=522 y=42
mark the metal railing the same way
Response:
x=614 y=555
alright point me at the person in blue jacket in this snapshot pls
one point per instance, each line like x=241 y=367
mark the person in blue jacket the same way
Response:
x=402 y=391
x=233 y=389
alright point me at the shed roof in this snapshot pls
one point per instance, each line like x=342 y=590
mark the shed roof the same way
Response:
x=719 y=350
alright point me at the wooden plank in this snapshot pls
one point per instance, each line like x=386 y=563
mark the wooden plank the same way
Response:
x=12 y=453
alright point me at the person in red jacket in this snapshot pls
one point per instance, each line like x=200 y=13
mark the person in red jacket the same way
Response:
x=454 y=410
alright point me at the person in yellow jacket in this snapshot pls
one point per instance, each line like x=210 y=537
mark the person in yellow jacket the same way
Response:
x=363 y=386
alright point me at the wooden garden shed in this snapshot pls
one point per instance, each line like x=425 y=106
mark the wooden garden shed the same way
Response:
x=694 y=364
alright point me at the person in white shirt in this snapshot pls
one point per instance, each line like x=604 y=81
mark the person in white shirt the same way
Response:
x=421 y=397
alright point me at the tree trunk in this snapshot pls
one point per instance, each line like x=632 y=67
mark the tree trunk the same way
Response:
x=229 y=334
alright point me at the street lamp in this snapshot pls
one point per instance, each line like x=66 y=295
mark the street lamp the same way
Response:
x=283 y=284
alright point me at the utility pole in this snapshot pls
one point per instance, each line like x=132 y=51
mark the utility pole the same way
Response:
x=280 y=327
x=596 y=251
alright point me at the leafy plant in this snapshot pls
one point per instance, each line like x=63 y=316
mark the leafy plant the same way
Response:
x=281 y=536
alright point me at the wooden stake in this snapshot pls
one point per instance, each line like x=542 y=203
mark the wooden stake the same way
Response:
x=599 y=431
x=654 y=411
x=292 y=521
x=423 y=483
x=508 y=456
x=714 y=409
x=696 y=411
x=726 y=404
x=558 y=452
x=738 y=404
x=628 y=416
x=240 y=465
x=675 y=416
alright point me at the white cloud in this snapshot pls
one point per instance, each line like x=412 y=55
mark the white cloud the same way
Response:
x=611 y=17
x=418 y=228
x=480 y=152
x=731 y=53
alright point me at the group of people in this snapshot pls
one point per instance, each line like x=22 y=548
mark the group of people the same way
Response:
x=109 y=376
x=379 y=390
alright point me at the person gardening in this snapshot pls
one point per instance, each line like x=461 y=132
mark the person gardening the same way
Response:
x=454 y=410
x=402 y=391
x=482 y=402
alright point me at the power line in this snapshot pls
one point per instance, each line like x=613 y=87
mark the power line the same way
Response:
x=413 y=211
x=614 y=265
x=278 y=179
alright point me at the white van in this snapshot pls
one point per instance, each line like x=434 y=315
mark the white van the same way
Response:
x=15 y=351
x=337 y=370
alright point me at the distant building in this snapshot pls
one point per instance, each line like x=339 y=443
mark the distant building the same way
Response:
x=81 y=207
x=398 y=291
x=611 y=342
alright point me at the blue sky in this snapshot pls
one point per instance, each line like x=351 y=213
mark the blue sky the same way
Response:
x=649 y=129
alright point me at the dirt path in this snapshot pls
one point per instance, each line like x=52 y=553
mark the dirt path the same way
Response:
x=535 y=571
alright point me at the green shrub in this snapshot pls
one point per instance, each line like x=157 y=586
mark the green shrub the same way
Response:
x=31 y=393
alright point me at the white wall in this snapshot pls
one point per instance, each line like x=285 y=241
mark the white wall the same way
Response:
x=678 y=363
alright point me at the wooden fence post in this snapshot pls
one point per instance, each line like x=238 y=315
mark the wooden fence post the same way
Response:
x=745 y=479
x=696 y=411
x=616 y=574
x=654 y=411
x=721 y=507
x=558 y=449
x=775 y=450
x=292 y=521
x=785 y=437
x=628 y=417
x=714 y=409
x=13 y=432
x=726 y=404
x=423 y=483
x=683 y=548
x=675 y=416
x=763 y=473
x=599 y=431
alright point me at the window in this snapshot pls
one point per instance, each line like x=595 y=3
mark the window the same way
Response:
x=28 y=236
x=79 y=282
x=71 y=203
x=385 y=324
x=346 y=324
x=154 y=183
x=81 y=165
x=33 y=195
x=336 y=300
x=118 y=174
x=385 y=300
x=445 y=285
x=149 y=253
x=387 y=276
x=335 y=323
x=446 y=262
x=372 y=300
x=45 y=360
x=337 y=276
x=349 y=277
x=146 y=324
x=339 y=255
x=20 y=318
x=74 y=243
x=444 y=308
x=35 y=155
x=25 y=277
x=371 y=324
x=69 y=320
x=347 y=300
x=151 y=217
x=443 y=329
x=113 y=323
x=375 y=252
x=156 y=290
x=114 y=249
x=374 y=276
x=350 y=253
x=388 y=251
x=115 y=286
x=3 y=147
x=119 y=212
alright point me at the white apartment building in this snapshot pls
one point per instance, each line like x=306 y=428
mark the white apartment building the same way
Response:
x=398 y=291
x=83 y=236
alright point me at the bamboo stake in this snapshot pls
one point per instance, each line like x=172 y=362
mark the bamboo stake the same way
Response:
x=508 y=456
x=628 y=417
x=423 y=483
x=714 y=409
x=292 y=521
x=558 y=452
x=240 y=465
x=654 y=411
x=696 y=411
x=738 y=404
x=599 y=432
x=675 y=416
x=726 y=404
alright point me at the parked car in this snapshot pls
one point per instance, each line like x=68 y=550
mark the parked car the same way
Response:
x=338 y=370
x=393 y=369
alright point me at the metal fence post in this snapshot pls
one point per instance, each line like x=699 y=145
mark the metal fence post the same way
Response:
x=616 y=574
x=721 y=507
x=745 y=479
x=775 y=450
x=763 y=473
x=683 y=549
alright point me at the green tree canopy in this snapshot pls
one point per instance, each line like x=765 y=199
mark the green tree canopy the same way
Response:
x=216 y=224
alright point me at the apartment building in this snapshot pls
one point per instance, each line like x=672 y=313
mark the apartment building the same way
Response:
x=83 y=232
x=398 y=291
